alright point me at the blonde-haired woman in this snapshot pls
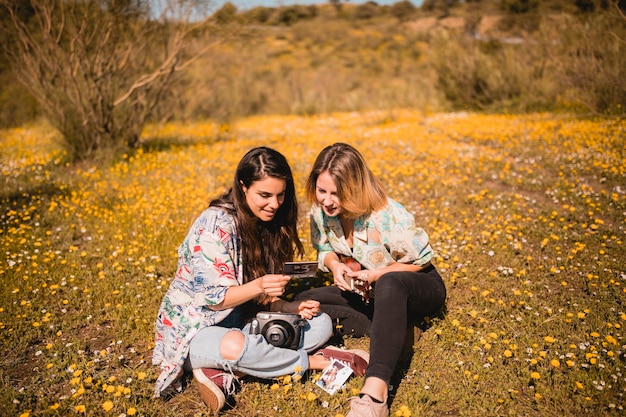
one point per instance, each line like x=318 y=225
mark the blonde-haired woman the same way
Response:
x=360 y=233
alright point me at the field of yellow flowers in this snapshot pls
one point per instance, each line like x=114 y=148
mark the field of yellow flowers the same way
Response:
x=527 y=215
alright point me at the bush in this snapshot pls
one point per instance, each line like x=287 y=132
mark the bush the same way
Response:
x=492 y=75
x=403 y=10
x=258 y=14
x=291 y=14
x=18 y=106
x=97 y=73
x=366 y=10
x=595 y=75
x=519 y=6
x=225 y=14
x=439 y=5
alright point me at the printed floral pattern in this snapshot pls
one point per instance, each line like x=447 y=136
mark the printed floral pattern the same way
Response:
x=380 y=239
x=209 y=262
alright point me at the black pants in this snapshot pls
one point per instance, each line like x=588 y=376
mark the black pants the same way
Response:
x=400 y=298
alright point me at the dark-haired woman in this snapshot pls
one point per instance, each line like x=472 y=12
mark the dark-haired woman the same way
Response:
x=230 y=260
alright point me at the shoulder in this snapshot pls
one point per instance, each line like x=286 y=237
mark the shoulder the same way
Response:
x=214 y=218
x=316 y=213
x=392 y=213
x=392 y=207
x=395 y=207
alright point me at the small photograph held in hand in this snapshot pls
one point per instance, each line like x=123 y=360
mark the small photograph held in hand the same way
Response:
x=300 y=269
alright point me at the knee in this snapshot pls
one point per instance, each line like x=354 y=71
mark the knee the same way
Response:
x=325 y=323
x=387 y=282
x=323 y=320
x=232 y=344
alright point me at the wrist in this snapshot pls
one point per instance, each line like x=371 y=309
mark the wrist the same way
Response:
x=334 y=265
x=279 y=305
x=364 y=276
x=260 y=292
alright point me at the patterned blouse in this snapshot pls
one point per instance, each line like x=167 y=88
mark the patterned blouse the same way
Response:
x=209 y=261
x=379 y=239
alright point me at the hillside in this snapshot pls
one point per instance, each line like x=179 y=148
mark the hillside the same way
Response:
x=489 y=55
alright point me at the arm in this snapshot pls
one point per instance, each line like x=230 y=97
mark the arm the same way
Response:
x=406 y=246
x=373 y=275
x=339 y=270
x=268 y=286
x=214 y=265
x=307 y=308
x=326 y=256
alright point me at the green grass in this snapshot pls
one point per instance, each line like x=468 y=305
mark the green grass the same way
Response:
x=526 y=214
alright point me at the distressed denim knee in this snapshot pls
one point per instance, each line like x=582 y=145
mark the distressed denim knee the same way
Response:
x=258 y=357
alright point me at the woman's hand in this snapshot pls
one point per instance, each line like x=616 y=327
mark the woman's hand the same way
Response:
x=370 y=275
x=272 y=285
x=340 y=270
x=307 y=308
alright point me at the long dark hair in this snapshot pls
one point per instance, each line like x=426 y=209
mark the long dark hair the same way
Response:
x=358 y=190
x=265 y=246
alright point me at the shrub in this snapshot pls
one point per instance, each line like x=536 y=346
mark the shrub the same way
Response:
x=403 y=10
x=492 y=75
x=97 y=72
x=291 y=14
x=519 y=6
x=366 y=10
x=595 y=74
x=225 y=14
x=258 y=14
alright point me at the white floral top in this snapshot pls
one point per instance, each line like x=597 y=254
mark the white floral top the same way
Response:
x=209 y=261
x=383 y=237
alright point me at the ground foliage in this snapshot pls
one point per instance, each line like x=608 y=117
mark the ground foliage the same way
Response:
x=526 y=214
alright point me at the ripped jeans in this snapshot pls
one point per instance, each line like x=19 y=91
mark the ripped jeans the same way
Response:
x=258 y=358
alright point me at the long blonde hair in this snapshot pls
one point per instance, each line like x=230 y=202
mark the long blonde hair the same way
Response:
x=358 y=190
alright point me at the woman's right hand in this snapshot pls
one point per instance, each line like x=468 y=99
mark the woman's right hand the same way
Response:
x=272 y=285
x=339 y=275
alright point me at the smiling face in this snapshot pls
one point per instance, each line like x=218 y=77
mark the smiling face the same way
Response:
x=265 y=196
x=326 y=194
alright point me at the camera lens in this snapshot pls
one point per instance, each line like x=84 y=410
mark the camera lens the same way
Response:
x=277 y=334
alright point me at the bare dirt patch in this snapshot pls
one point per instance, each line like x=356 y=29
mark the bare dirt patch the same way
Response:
x=452 y=22
x=423 y=24
x=488 y=24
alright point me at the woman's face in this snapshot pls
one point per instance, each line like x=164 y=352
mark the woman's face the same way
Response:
x=265 y=196
x=326 y=194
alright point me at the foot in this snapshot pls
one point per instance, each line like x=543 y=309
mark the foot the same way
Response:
x=356 y=359
x=215 y=386
x=365 y=406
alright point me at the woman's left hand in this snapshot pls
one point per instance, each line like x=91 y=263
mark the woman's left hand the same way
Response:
x=307 y=308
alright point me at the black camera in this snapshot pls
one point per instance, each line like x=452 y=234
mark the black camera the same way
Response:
x=279 y=329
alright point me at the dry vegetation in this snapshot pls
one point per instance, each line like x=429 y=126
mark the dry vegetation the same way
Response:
x=474 y=56
x=556 y=55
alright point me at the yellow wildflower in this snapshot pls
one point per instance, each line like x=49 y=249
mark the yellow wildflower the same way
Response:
x=107 y=406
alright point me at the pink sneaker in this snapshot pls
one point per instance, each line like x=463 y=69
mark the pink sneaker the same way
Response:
x=366 y=407
x=215 y=387
x=356 y=359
